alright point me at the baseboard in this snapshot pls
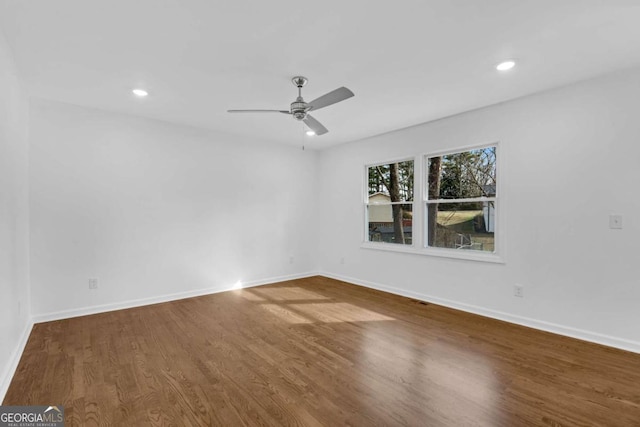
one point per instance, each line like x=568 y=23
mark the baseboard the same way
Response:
x=11 y=367
x=66 y=314
x=581 y=334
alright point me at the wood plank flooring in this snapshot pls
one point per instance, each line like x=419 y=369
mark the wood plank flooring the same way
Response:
x=319 y=352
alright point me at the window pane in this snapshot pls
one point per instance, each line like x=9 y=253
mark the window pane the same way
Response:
x=462 y=175
x=390 y=223
x=464 y=226
x=391 y=182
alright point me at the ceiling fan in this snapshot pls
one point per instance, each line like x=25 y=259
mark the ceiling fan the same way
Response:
x=300 y=109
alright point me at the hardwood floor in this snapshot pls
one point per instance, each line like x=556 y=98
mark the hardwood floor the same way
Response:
x=316 y=352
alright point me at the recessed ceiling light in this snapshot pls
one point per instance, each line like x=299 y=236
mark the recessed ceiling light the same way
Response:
x=506 y=65
x=140 y=92
x=310 y=133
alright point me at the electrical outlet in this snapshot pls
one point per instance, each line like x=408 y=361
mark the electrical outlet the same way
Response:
x=615 y=222
x=518 y=291
x=291 y=259
x=342 y=260
x=93 y=283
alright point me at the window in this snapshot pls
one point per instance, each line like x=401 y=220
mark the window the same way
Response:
x=458 y=215
x=461 y=200
x=389 y=203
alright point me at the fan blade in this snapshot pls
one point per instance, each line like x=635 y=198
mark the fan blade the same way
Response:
x=332 y=97
x=259 y=111
x=315 y=125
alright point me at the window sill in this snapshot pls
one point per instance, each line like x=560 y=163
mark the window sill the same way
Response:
x=442 y=253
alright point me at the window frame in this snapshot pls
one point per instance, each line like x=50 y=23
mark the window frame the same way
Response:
x=497 y=254
x=419 y=240
x=387 y=245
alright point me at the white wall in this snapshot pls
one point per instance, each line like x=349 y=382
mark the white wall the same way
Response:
x=14 y=214
x=156 y=210
x=569 y=159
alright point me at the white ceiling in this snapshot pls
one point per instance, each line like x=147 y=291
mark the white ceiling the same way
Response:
x=407 y=62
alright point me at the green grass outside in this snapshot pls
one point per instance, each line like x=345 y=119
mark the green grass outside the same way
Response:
x=462 y=222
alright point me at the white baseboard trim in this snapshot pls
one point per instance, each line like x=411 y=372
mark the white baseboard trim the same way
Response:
x=11 y=367
x=554 y=328
x=66 y=314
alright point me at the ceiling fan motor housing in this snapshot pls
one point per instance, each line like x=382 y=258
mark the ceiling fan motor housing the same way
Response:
x=299 y=109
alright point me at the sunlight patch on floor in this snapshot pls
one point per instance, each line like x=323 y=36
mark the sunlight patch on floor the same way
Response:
x=288 y=293
x=248 y=295
x=299 y=305
x=338 y=312
x=284 y=314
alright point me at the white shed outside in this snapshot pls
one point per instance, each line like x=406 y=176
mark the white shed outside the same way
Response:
x=379 y=208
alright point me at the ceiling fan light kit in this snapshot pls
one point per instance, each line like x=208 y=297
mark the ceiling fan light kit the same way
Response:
x=299 y=109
